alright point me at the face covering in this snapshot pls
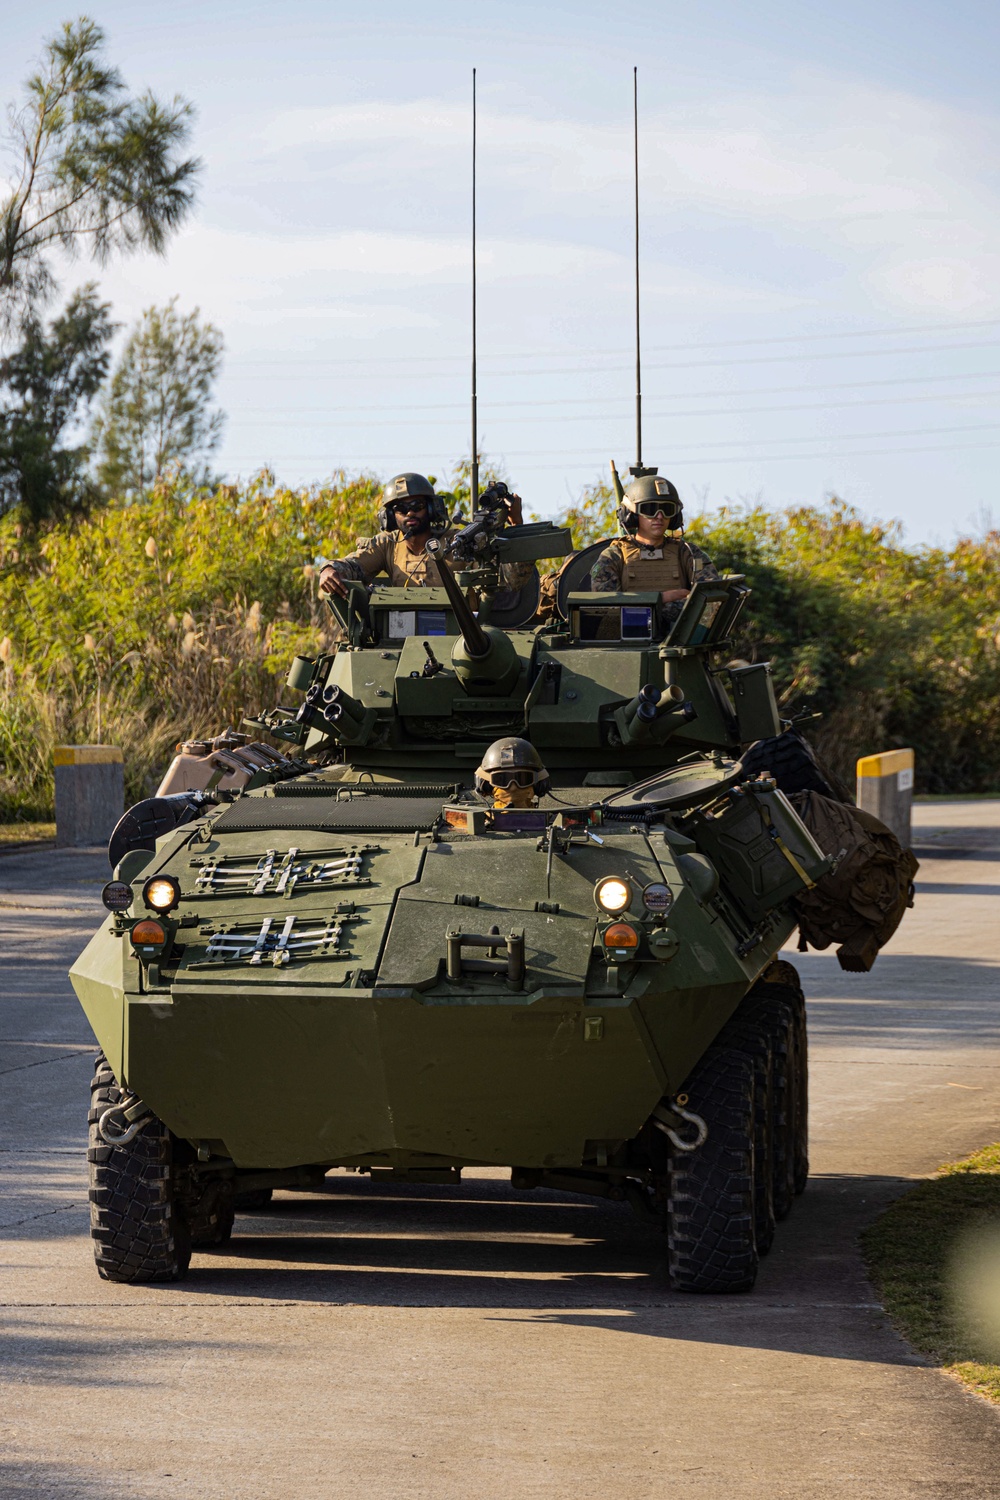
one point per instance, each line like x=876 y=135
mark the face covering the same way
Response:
x=513 y=796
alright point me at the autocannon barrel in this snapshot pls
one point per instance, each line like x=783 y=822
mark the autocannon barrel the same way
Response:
x=477 y=642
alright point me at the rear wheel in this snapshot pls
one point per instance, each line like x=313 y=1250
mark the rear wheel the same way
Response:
x=783 y=980
x=768 y=1010
x=746 y=1032
x=711 y=1239
x=801 y=1093
x=248 y=1203
x=138 y=1231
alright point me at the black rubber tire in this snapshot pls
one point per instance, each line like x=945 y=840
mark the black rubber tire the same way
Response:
x=800 y=1129
x=768 y=1008
x=211 y=1215
x=749 y=1032
x=711 y=1243
x=248 y=1203
x=138 y=1231
x=793 y=763
x=783 y=980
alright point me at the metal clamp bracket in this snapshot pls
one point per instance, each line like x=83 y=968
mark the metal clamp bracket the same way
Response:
x=511 y=967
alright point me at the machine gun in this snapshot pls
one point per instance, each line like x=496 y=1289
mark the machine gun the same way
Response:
x=484 y=544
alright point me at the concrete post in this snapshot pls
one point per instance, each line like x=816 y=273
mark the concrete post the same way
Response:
x=885 y=788
x=90 y=793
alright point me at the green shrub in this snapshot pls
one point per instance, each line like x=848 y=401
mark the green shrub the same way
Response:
x=175 y=615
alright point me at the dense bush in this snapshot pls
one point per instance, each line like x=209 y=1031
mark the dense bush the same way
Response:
x=176 y=614
x=894 y=646
x=169 y=617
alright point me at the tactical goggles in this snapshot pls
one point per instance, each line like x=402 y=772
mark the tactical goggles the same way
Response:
x=512 y=778
x=664 y=508
x=409 y=507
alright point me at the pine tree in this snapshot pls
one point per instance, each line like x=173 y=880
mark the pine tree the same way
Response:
x=156 y=414
x=100 y=171
x=46 y=386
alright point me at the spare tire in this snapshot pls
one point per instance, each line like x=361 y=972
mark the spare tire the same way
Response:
x=143 y=824
x=793 y=763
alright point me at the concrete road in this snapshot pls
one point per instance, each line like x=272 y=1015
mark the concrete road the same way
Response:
x=367 y=1342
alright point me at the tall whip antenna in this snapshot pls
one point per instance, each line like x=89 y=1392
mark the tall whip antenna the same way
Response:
x=638 y=361
x=475 y=435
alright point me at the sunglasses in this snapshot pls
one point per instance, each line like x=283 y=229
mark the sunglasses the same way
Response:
x=512 y=778
x=408 y=507
x=664 y=508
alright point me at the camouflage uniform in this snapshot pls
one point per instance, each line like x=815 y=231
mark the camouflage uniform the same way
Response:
x=387 y=553
x=627 y=566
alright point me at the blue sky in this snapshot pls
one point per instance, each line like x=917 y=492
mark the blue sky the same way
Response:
x=820 y=240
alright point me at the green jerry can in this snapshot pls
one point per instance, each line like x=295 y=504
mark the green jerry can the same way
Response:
x=394 y=949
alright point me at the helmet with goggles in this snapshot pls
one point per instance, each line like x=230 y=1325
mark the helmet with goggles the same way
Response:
x=650 y=495
x=512 y=763
x=410 y=493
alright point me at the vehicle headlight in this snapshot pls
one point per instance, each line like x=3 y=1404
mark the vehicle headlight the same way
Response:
x=613 y=894
x=162 y=892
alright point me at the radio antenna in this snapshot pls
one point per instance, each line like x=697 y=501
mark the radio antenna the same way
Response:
x=638 y=360
x=475 y=435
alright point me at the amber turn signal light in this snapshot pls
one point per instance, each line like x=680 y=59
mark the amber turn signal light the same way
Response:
x=148 y=934
x=620 y=936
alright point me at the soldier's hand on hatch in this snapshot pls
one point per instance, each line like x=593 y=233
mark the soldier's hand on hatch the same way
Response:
x=514 y=516
x=671 y=596
x=330 y=582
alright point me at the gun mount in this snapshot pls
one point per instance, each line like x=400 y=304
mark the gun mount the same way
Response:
x=484 y=658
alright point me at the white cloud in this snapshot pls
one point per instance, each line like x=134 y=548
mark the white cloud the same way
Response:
x=900 y=189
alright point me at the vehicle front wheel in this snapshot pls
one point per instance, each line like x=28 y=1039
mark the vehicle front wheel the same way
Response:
x=136 y=1225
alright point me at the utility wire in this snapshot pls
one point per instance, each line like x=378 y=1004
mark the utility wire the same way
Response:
x=364 y=465
x=840 y=437
x=604 y=402
x=350 y=367
x=338 y=420
x=790 y=338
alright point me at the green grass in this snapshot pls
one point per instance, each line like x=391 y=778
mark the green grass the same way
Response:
x=934 y=1257
x=956 y=797
x=26 y=833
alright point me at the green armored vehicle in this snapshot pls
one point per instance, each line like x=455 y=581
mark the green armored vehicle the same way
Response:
x=360 y=961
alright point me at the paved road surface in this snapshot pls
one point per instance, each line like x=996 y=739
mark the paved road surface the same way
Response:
x=470 y=1344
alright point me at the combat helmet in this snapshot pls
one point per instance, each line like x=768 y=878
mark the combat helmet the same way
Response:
x=411 y=487
x=654 y=490
x=512 y=762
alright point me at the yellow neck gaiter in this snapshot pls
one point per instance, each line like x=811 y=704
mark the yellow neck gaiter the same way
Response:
x=513 y=796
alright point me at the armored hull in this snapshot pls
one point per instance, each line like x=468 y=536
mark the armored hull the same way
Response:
x=364 y=966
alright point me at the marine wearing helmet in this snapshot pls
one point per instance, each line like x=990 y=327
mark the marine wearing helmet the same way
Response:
x=410 y=513
x=652 y=553
x=512 y=774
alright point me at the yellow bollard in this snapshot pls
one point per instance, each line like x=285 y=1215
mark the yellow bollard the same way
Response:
x=90 y=793
x=885 y=788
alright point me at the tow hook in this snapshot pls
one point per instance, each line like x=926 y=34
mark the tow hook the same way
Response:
x=665 y=1115
x=134 y=1114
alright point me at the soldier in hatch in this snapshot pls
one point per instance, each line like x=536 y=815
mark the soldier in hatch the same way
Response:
x=511 y=774
x=410 y=514
x=646 y=557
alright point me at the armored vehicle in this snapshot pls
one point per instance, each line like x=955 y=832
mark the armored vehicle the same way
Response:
x=354 y=960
